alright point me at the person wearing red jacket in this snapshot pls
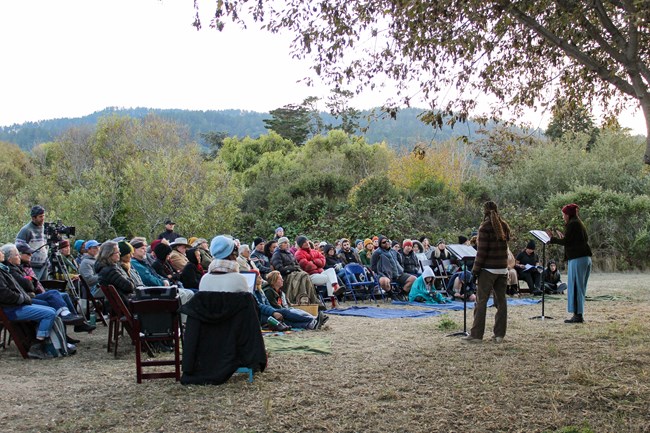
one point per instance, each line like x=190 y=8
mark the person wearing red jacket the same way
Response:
x=313 y=262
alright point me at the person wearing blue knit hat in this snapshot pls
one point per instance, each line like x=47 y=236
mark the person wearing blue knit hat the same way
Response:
x=223 y=274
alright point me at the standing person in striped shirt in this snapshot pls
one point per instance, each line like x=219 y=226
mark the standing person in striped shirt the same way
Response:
x=490 y=267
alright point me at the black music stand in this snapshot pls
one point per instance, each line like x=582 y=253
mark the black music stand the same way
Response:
x=462 y=253
x=543 y=237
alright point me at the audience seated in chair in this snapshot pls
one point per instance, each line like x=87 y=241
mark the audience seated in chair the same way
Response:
x=17 y=306
x=223 y=274
x=366 y=254
x=408 y=258
x=313 y=262
x=333 y=261
x=262 y=262
x=532 y=276
x=387 y=268
x=193 y=270
x=111 y=273
x=298 y=285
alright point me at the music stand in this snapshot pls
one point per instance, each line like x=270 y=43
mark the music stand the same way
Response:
x=543 y=237
x=462 y=253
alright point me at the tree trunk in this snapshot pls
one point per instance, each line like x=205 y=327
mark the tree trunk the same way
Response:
x=645 y=106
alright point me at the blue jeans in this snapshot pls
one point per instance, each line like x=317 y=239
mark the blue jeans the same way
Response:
x=54 y=299
x=39 y=313
x=294 y=317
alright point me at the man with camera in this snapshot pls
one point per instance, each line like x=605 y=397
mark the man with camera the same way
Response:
x=33 y=235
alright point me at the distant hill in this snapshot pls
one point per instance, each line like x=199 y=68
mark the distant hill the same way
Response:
x=405 y=131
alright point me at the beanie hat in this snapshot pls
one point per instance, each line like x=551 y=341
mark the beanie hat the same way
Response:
x=77 y=244
x=125 y=248
x=375 y=238
x=366 y=242
x=191 y=240
x=137 y=244
x=37 y=210
x=300 y=240
x=161 y=251
x=221 y=246
x=154 y=244
x=64 y=243
x=407 y=243
x=282 y=240
x=257 y=241
x=462 y=239
x=570 y=209
x=278 y=229
x=530 y=245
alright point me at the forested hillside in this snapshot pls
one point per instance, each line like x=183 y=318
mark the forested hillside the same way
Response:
x=125 y=176
x=404 y=131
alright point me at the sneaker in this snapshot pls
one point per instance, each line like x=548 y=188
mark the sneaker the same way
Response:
x=72 y=349
x=496 y=339
x=321 y=319
x=471 y=340
x=36 y=351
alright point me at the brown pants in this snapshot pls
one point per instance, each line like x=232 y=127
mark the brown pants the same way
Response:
x=488 y=282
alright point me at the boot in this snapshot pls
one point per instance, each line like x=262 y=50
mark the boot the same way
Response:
x=577 y=318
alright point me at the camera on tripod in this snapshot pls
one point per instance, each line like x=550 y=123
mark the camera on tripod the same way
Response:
x=55 y=230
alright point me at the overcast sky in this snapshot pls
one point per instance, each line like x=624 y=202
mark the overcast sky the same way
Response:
x=69 y=58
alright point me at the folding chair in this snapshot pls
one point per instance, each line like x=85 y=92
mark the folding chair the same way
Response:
x=365 y=285
x=21 y=331
x=120 y=318
x=156 y=320
x=441 y=276
x=97 y=304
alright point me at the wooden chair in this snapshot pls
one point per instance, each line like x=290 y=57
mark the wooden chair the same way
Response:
x=98 y=304
x=21 y=331
x=120 y=318
x=156 y=320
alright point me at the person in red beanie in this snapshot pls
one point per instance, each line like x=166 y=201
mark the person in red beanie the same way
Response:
x=578 y=255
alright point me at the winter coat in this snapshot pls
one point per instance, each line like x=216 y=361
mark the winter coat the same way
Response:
x=177 y=261
x=147 y=274
x=191 y=276
x=222 y=334
x=311 y=261
x=11 y=294
x=420 y=292
x=114 y=275
x=262 y=262
x=350 y=257
x=284 y=262
x=409 y=262
x=87 y=270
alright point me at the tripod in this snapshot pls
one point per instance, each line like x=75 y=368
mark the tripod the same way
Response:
x=58 y=265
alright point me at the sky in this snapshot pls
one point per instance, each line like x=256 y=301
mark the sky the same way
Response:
x=69 y=58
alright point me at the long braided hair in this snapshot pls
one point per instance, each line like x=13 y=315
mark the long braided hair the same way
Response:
x=501 y=228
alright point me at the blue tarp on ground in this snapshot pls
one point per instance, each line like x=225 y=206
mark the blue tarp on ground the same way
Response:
x=383 y=313
x=458 y=305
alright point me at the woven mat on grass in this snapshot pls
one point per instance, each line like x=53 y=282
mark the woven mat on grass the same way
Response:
x=289 y=344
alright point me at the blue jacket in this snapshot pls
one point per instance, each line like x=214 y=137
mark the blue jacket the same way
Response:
x=263 y=303
x=147 y=274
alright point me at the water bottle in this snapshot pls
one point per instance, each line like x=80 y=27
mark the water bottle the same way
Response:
x=93 y=319
x=273 y=322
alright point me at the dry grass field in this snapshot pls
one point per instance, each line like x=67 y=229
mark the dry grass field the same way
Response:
x=402 y=375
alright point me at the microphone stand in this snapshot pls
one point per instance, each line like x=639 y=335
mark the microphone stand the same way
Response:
x=463 y=254
x=542 y=317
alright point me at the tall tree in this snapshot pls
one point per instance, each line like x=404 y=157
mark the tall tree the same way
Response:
x=524 y=53
x=571 y=116
x=290 y=122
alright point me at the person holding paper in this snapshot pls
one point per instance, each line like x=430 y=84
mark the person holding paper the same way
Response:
x=526 y=265
x=490 y=267
x=578 y=255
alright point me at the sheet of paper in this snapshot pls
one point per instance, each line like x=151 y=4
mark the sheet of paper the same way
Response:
x=541 y=235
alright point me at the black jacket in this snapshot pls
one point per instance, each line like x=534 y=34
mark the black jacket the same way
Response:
x=285 y=262
x=116 y=277
x=409 y=262
x=191 y=276
x=11 y=294
x=222 y=333
x=575 y=241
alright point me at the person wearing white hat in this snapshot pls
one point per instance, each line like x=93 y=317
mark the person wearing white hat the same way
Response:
x=177 y=258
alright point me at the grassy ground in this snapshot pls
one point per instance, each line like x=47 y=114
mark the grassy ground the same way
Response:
x=401 y=375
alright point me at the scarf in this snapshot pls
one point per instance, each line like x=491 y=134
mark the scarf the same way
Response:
x=223 y=266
